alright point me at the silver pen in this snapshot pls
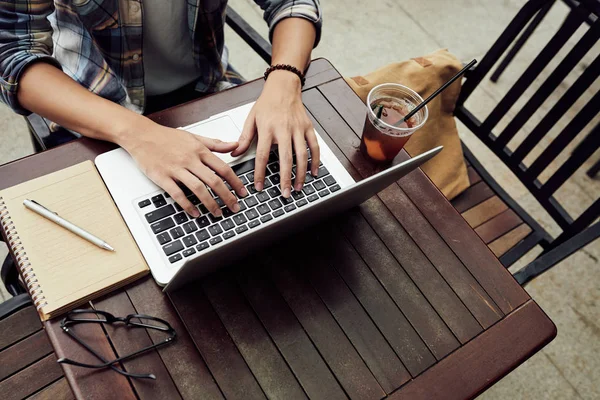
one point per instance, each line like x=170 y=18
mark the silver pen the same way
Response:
x=54 y=217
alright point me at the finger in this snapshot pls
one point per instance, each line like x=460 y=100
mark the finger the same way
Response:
x=301 y=160
x=315 y=151
x=225 y=172
x=247 y=135
x=169 y=185
x=285 y=166
x=262 y=157
x=196 y=184
x=218 y=186
x=218 y=145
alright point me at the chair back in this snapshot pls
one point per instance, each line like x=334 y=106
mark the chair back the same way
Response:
x=524 y=153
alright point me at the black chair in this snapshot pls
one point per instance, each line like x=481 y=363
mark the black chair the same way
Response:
x=576 y=232
x=42 y=136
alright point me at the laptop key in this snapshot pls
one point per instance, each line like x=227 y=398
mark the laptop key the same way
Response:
x=274 y=192
x=278 y=213
x=254 y=224
x=163 y=225
x=274 y=168
x=309 y=178
x=228 y=235
x=202 y=246
x=242 y=205
x=239 y=219
x=202 y=222
x=273 y=156
x=313 y=197
x=263 y=209
x=144 y=203
x=263 y=196
x=319 y=185
x=244 y=180
x=275 y=179
x=227 y=224
x=215 y=229
x=175 y=258
x=203 y=209
x=167 y=195
x=251 y=189
x=215 y=240
x=334 y=188
x=323 y=193
x=301 y=202
x=297 y=195
x=267 y=183
x=329 y=180
x=173 y=247
x=190 y=227
x=285 y=201
x=180 y=218
x=202 y=235
x=266 y=218
x=214 y=219
x=308 y=189
x=163 y=238
x=178 y=207
x=227 y=212
x=219 y=201
x=189 y=241
x=251 y=214
x=322 y=172
x=240 y=229
x=251 y=201
x=158 y=200
x=188 y=252
x=244 y=167
x=289 y=207
x=194 y=200
x=275 y=204
x=177 y=232
x=250 y=176
x=160 y=213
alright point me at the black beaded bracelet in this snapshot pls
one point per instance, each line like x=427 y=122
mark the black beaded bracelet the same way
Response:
x=286 y=67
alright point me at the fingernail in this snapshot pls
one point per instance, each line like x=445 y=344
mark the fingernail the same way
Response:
x=298 y=187
x=219 y=213
x=258 y=186
x=287 y=192
x=315 y=172
x=195 y=213
x=244 y=191
x=236 y=207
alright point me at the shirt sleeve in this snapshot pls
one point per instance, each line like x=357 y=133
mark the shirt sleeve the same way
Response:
x=25 y=37
x=277 y=10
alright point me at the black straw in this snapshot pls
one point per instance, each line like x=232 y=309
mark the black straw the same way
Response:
x=441 y=89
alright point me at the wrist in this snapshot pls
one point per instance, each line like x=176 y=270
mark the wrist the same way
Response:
x=127 y=129
x=284 y=80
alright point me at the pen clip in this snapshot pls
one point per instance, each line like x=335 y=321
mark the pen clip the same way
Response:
x=33 y=201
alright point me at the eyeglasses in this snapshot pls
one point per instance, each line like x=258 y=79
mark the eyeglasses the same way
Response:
x=102 y=317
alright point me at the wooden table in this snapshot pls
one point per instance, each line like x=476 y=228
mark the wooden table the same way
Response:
x=398 y=297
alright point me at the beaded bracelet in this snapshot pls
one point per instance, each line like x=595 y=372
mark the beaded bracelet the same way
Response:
x=286 y=67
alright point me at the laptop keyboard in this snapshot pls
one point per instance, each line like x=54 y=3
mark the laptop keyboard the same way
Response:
x=181 y=236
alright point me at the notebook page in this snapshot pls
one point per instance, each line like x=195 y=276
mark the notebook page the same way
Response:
x=67 y=267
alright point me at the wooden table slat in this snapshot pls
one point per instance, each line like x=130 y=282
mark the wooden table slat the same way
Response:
x=514 y=340
x=58 y=390
x=127 y=340
x=292 y=341
x=31 y=379
x=103 y=383
x=472 y=196
x=264 y=360
x=334 y=346
x=23 y=353
x=19 y=325
x=435 y=288
x=218 y=350
x=401 y=288
x=380 y=306
x=185 y=365
x=355 y=322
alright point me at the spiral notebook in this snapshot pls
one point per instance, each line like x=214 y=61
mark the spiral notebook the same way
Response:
x=62 y=270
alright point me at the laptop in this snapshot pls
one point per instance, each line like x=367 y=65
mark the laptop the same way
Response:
x=179 y=249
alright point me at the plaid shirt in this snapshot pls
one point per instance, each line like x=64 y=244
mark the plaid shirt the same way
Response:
x=98 y=43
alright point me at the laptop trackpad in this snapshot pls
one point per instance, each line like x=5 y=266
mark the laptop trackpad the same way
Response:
x=222 y=128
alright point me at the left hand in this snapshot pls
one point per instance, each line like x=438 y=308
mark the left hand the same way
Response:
x=279 y=117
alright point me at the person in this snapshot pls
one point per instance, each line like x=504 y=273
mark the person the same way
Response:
x=94 y=66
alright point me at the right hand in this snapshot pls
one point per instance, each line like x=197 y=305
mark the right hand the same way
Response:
x=168 y=156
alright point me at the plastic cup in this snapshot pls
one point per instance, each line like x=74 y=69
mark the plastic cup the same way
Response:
x=383 y=137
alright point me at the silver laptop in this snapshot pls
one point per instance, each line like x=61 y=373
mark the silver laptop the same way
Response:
x=179 y=248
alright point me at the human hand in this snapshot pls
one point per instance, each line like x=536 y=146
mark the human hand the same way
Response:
x=279 y=117
x=168 y=156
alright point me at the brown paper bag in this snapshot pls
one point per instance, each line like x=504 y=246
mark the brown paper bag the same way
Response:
x=424 y=75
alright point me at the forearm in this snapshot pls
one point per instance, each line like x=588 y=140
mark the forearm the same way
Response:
x=47 y=91
x=293 y=41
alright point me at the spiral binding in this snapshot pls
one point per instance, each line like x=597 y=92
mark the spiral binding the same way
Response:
x=14 y=242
